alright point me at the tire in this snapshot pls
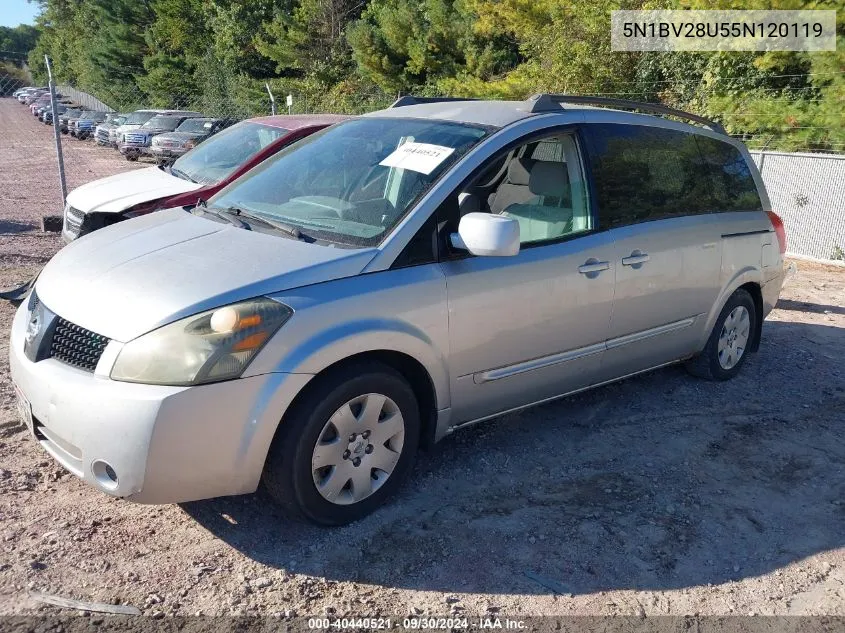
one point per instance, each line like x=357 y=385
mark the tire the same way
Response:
x=725 y=352
x=289 y=476
x=132 y=157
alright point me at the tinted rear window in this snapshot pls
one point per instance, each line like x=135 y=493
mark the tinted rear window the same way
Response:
x=734 y=188
x=647 y=173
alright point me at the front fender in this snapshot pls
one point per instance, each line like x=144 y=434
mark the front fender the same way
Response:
x=314 y=354
x=403 y=310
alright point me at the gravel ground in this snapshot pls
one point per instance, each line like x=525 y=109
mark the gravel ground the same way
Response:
x=662 y=494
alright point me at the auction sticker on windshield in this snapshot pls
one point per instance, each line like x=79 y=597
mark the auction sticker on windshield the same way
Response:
x=420 y=157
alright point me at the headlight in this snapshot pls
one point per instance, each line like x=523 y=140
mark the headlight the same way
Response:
x=207 y=347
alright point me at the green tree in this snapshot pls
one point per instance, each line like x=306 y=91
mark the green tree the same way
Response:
x=18 y=39
x=404 y=46
x=565 y=46
x=177 y=40
x=778 y=100
x=62 y=32
x=308 y=39
x=114 y=43
x=234 y=25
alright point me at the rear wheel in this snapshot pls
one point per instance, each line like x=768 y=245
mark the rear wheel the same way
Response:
x=345 y=447
x=727 y=347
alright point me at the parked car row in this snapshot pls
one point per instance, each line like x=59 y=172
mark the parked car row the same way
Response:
x=318 y=297
x=133 y=134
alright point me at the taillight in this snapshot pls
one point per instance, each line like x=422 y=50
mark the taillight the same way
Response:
x=777 y=223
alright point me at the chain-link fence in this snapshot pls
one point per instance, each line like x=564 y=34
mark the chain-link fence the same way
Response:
x=28 y=139
x=88 y=122
x=807 y=190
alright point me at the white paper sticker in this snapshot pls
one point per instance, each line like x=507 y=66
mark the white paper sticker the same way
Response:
x=420 y=157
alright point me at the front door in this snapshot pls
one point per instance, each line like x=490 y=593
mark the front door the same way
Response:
x=527 y=328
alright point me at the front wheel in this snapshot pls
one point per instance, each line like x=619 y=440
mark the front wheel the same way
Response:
x=729 y=342
x=345 y=447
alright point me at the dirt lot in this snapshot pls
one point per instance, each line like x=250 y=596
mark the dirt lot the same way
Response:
x=659 y=495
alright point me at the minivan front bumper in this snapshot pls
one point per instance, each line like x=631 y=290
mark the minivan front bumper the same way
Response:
x=162 y=444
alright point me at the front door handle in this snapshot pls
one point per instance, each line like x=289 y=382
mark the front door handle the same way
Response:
x=593 y=266
x=635 y=258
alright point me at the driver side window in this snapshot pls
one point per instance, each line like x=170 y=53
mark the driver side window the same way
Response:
x=540 y=184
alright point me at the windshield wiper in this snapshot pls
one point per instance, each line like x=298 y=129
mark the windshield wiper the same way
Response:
x=290 y=229
x=226 y=214
x=181 y=174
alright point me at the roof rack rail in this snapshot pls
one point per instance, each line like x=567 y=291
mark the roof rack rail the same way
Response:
x=408 y=100
x=551 y=102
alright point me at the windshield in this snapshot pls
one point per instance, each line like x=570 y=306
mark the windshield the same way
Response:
x=195 y=125
x=351 y=183
x=163 y=123
x=215 y=159
x=137 y=118
x=92 y=116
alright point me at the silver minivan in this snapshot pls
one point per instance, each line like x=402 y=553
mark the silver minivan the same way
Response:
x=386 y=281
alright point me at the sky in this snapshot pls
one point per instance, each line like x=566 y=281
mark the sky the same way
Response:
x=14 y=12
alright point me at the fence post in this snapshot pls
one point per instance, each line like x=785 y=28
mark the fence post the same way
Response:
x=272 y=99
x=53 y=105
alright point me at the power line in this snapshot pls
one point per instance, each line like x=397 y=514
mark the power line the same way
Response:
x=719 y=78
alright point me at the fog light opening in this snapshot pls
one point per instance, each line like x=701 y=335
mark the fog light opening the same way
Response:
x=104 y=473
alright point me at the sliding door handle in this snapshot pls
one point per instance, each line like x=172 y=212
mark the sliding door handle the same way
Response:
x=593 y=266
x=637 y=257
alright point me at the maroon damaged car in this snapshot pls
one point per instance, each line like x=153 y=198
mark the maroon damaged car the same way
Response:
x=197 y=175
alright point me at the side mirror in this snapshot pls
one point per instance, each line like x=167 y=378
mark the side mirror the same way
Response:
x=487 y=235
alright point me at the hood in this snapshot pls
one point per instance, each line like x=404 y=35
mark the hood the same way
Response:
x=135 y=276
x=151 y=131
x=117 y=193
x=128 y=127
x=180 y=137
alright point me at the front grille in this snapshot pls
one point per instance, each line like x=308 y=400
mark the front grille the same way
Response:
x=135 y=139
x=76 y=346
x=102 y=135
x=73 y=220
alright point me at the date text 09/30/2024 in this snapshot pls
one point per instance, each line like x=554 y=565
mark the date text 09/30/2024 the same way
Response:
x=418 y=623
